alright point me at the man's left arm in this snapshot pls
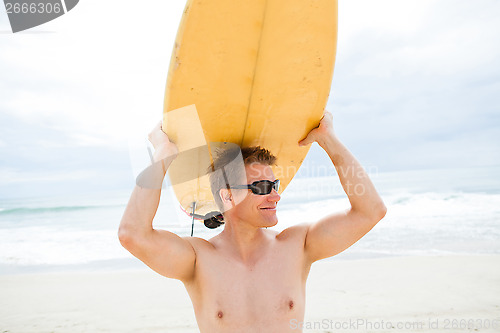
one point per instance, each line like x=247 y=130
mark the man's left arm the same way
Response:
x=335 y=233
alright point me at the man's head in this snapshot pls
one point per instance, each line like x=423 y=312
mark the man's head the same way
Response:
x=234 y=167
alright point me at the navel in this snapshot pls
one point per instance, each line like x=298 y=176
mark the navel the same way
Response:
x=220 y=314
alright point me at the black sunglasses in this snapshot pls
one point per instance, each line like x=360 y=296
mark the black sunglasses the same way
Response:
x=260 y=187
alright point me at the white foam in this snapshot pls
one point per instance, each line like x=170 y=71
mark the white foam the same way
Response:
x=417 y=223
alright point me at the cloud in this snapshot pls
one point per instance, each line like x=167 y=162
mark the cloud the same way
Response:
x=411 y=75
x=415 y=85
x=10 y=176
x=94 y=70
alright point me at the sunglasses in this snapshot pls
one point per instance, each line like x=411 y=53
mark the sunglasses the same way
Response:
x=260 y=187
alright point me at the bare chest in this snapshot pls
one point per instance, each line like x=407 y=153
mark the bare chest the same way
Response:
x=228 y=293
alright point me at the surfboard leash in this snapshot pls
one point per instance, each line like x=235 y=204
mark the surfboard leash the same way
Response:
x=192 y=218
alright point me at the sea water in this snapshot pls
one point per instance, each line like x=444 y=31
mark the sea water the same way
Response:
x=430 y=212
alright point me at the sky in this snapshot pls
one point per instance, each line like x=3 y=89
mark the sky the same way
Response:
x=416 y=86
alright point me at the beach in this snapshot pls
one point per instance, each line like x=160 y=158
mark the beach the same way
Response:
x=454 y=293
x=432 y=264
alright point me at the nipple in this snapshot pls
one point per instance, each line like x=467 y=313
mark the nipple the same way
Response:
x=290 y=305
x=220 y=314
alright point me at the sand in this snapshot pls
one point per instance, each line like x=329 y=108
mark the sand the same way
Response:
x=398 y=294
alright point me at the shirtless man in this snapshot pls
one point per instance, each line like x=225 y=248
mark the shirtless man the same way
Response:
x=249 y=278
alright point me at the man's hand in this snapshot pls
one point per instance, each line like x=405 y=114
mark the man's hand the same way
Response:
x=163 y=146
x=320 y=133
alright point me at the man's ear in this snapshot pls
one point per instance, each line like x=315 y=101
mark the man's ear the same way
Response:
x=225 y=195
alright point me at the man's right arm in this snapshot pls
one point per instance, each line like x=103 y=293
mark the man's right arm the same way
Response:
x=163 y=251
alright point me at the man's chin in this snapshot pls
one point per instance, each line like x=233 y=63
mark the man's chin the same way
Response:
x=269 y=223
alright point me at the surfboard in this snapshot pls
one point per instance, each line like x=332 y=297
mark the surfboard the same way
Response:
x=250 y=73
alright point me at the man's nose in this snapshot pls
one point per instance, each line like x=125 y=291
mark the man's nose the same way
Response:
x=274 y=196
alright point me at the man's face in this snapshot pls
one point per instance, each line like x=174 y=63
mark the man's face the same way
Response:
x=258 y=210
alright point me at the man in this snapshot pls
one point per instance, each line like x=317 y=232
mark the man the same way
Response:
x=249 y=278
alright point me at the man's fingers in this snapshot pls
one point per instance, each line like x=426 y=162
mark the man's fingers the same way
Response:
x=306 y=141
x=159 y=127
x=157 y=134
x=327 y=117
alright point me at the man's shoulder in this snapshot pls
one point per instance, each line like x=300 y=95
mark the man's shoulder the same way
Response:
x=199 y=243
x=294 y=232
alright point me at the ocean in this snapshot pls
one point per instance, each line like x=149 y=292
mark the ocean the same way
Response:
x=430 y=212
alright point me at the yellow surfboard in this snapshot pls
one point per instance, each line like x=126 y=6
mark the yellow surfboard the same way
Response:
x=254 y=73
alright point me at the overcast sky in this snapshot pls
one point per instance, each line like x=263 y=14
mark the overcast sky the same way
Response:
x=416 y=86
